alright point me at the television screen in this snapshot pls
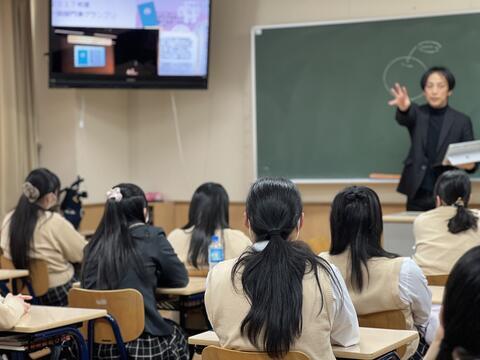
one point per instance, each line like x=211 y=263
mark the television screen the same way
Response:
x=129 y=43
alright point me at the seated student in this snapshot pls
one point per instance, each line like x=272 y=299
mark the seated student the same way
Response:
x=376 y=279
x=32 y=231
x=278 y=296
x=12 y=308
x=445 y=233
x=208 y=215
x=458 y=337
x=126 y=252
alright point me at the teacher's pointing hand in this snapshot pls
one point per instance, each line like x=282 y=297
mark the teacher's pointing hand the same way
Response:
x=400 y=97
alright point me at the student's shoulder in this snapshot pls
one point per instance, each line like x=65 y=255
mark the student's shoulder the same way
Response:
x=56 y=219
x=222 y=270
x=427 y=216
x=177 y=234
x=237 y=234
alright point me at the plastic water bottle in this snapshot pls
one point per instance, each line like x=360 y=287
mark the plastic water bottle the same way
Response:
x=215 y=252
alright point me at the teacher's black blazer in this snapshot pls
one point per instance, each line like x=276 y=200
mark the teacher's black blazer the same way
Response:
x=456 y=127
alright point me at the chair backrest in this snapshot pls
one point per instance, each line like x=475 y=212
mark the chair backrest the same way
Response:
x=125 y=305
x=38 y=275
x=392 y=319
x=437 y=280
x=198 y=272
x=218 y=353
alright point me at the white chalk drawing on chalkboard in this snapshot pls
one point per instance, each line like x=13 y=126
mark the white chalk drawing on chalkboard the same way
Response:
x=408 y=69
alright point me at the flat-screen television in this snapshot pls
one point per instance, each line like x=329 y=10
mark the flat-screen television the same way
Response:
x=129 y=43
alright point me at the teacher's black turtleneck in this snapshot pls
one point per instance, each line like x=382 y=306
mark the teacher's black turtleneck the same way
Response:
x=435 y=123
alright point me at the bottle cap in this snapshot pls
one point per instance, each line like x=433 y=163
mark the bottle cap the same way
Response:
x=215 y=238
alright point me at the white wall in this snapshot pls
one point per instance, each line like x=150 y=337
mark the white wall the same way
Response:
x=98 y=149
x=130 y=135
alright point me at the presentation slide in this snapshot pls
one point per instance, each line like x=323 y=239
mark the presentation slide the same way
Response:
x=182 y=26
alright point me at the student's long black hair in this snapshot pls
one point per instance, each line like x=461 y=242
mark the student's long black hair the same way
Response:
x=208 y=212
x=112 y=249
x=272 y=278
x=38 y=183
x=461 y=308
x=356 y=226
x=453 y=187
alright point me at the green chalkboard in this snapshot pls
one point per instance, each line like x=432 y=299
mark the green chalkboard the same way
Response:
x=321 y=91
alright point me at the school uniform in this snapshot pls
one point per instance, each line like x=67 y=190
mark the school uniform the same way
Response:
x=234 y=243
x=161 y=339
x=335 y=322
x=391 y=284
x=56 y=242
x=436 y=248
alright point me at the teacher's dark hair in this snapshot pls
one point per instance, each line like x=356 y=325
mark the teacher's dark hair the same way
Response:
x=461 y=308
x=208 y=212
x=272 y=278
x=447 y=74
x=27 y=212
x=356 y=226
x=453 y=187
x=112 y=249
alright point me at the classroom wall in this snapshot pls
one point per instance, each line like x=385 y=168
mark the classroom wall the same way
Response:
x=131 y=135
x=80 y=132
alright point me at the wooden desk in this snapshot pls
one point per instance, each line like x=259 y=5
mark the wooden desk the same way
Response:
x=373 y=342
x=398 y=232
x=6 y=274
x=46 y=322
x=48 y=317
x=437 y=294
x=404 y=217
x=196 y=285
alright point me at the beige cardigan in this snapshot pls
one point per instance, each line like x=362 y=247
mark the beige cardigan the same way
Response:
x=437 y=249
x=55 y=241
x=226 y=309
x=235 y=243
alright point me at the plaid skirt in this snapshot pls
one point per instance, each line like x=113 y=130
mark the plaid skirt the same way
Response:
x=172 y=347
x=57 y=296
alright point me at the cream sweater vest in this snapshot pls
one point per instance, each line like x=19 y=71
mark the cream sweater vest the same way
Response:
x=437 y=249
x=227 y=307
x=380 y=289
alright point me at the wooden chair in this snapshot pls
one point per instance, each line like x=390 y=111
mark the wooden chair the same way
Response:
x=125 y=306
x=218 y=353
x=393 y=319
x=198 y=272
x=319 y=244
x=37 y=282
x=437 y=280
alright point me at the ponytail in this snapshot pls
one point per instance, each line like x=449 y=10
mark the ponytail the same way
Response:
x=272 y=279
x=463 y=220
x=453 y=188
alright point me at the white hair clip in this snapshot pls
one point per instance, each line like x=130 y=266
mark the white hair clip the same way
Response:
x=115 y=194
x=31 y=192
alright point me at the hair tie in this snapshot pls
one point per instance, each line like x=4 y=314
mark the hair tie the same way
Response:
x=273 y=232
x=30 y=192
x=459 y=202
x=115 y=194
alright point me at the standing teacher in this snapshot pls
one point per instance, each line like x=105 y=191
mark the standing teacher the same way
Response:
x=432 y=127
